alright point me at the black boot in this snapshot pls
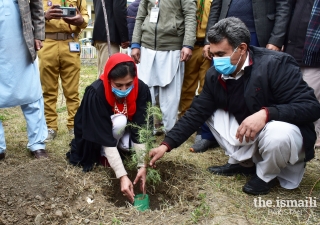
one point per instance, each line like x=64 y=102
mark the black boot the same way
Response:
x=232 y=169
x=257 y=186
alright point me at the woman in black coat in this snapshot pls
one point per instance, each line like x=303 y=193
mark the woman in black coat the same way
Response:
x=109 y=103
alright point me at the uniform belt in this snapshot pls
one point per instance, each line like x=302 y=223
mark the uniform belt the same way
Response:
x=60 y=36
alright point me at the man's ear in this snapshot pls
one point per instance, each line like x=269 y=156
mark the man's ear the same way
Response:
x=243 y=48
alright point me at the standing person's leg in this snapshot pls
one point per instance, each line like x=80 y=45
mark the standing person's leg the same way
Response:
x=206 y=140
x=36 y=127
x=103 y=53
x=169 y=98
x=157 y=124
x=70 y=76
x=190 y=81
x=49 y=75
x=2 y=142
x=312 y=77
x=204 y=66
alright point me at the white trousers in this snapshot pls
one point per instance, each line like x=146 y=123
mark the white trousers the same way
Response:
x=119 y=123
x=168 y=98
x=163 y=72
x=277 y=150
x=36 y=126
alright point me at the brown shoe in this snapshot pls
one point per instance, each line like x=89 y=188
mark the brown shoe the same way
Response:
x=2 y=155
x=41 y=153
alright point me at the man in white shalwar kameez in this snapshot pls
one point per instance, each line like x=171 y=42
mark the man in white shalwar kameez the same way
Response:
x=19 y=73
x=257 y=107
x=163 y=39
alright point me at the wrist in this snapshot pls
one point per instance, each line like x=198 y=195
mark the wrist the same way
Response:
x=266 y=113
x=123 y=177
x=165 y=146
x=142 y=167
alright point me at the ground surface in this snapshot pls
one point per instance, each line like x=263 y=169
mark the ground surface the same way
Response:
x=54 y=192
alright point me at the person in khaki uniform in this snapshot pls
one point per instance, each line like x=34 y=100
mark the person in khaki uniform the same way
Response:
x=60 y=57
x=197 y=66
x=195 y=70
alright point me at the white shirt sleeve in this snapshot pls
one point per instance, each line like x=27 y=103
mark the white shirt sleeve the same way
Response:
x=115 y=161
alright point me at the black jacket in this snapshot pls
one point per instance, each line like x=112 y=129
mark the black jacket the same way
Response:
x=271 y=18
x=117 y=21
x=274 y=81
x=298 y=30
x=132 y=11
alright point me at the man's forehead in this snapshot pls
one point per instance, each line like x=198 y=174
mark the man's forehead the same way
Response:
x=223 y=46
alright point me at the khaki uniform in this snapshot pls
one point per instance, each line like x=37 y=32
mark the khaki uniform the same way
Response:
x=197 y=66
x=56 y=60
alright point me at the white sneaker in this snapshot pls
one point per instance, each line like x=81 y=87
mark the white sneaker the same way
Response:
x=51 y=135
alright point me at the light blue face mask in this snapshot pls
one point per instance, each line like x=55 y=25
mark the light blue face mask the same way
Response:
x=223 y=64
x=122 y=94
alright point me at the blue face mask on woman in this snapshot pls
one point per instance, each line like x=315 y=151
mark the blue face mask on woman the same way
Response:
x=122 y=94
x=223 y=64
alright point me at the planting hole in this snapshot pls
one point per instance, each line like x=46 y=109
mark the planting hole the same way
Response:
x=175 y=184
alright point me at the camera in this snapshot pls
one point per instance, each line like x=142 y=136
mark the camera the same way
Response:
x=68 y=11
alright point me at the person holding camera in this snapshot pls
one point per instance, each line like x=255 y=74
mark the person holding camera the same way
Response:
x=60 y=57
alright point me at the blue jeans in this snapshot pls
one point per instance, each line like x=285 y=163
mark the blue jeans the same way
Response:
x=36 y=126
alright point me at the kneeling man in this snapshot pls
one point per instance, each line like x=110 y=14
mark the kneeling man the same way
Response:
x=258 y=108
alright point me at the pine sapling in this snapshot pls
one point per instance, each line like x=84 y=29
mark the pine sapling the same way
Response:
x=145 y=136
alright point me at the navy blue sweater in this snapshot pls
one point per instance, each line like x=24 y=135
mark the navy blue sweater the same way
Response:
x=132 y=11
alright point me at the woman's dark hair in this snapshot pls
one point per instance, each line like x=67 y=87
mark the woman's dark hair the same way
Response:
x=121 y=70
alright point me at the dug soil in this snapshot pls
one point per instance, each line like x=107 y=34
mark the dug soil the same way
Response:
x=53 y=192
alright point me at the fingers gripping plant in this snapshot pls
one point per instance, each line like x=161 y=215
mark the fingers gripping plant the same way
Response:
x=145 y=135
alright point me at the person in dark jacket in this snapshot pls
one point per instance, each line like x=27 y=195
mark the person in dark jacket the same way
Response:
x=132 y=11
x=303 y=43
x=267 y=22
x=109 y=103
x=118 y=31
x=257 y=106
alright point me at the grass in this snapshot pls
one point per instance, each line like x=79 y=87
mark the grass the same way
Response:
x=196 y=196
x=202 y=210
